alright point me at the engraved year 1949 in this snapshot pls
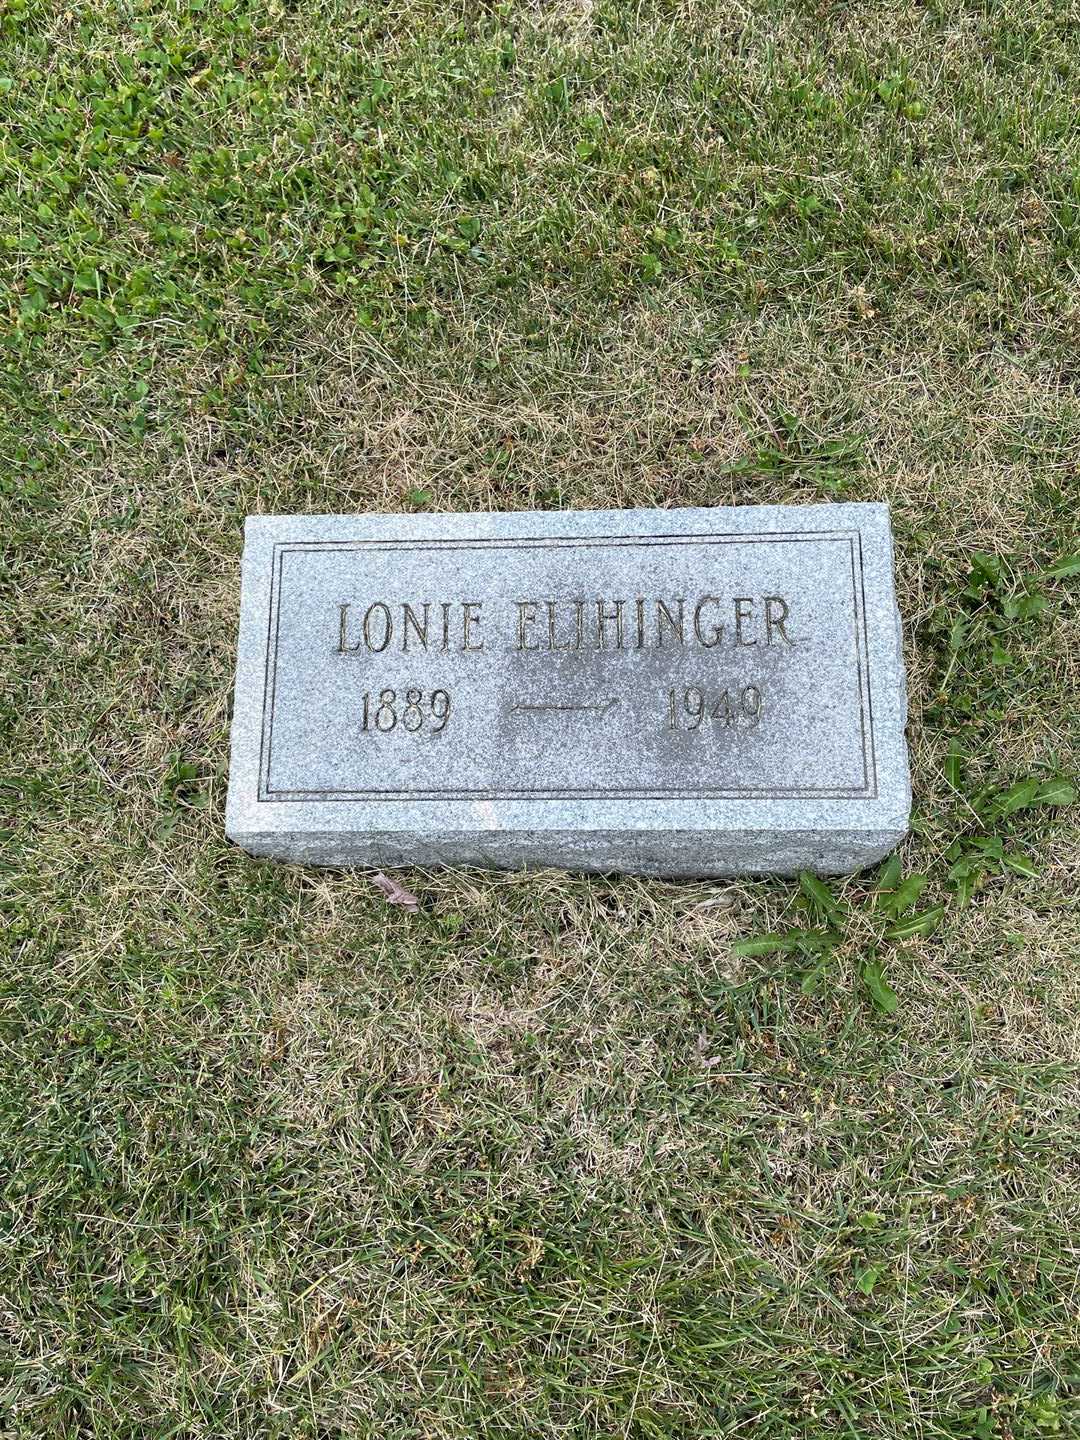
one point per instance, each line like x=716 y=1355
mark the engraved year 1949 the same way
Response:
x=692 y=707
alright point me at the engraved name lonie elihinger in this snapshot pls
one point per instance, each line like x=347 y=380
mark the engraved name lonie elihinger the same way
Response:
x=706 y=622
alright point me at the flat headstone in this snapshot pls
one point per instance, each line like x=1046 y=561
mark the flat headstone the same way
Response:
x=677 y=692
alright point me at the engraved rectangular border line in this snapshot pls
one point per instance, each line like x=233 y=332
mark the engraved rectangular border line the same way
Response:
x=868 y=791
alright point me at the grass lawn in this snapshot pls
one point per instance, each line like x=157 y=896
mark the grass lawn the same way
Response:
x=557 y=1156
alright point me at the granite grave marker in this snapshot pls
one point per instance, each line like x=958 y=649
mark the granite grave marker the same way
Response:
x=679 y=692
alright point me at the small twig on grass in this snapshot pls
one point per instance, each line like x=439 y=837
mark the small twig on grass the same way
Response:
x=395 y=893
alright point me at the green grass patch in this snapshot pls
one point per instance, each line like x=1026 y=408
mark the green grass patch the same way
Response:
x=553 y=1157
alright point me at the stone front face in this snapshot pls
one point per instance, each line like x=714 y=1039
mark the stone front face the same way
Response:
x=682 y=692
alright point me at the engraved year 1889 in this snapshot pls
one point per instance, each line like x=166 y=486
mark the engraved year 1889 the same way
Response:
x=412 y=709
x=691 y=708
